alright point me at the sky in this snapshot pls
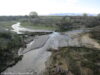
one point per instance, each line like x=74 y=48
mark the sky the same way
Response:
x=45 y=7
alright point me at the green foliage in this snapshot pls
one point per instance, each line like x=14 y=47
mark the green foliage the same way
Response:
x=95 y=33
x=60 y=23
x=6 y=24
x=78 y=58
x=38 y=26
x=74 y=22
x=65 y=24
x=9 y=45
x=85 y=14
x=33 y=14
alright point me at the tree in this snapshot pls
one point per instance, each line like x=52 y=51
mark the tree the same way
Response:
x=33 y=14
x=98 y=15
x=65 y=24
x=85 y=14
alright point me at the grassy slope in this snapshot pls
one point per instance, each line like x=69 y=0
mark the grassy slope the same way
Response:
x=95 y=33
x=78 y=61
x=29 y=25
x=9 y=46
x=7 y=24
x=48 y=20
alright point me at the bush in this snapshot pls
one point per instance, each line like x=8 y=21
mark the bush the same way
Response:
x=9 y=45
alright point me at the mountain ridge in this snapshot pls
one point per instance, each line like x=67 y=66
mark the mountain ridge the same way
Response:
x=71 y=14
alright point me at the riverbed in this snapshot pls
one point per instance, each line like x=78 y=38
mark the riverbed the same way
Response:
x=36 y=53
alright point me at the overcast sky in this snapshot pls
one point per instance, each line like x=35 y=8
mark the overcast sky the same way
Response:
x=44 y=7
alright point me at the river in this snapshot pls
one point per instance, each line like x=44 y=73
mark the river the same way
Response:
x=20 y=29
x=36 y=54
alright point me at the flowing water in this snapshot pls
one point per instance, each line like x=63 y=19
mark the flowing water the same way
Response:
x=20 y=29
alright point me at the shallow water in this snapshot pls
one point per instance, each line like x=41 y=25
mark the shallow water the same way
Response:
x=20 y=29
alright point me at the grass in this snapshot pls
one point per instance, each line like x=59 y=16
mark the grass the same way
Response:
x=7 y=24
x=39 y=26
x=10 y=43
x=77 y=59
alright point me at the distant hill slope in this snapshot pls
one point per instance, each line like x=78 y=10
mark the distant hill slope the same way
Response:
x=71 y=14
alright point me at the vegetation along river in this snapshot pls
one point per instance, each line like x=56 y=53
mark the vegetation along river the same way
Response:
x=36 y=53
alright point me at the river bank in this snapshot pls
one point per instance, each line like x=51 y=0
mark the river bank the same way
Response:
x=73 y=61
x=9 y=46
x=34 y=59
x=36 y=53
